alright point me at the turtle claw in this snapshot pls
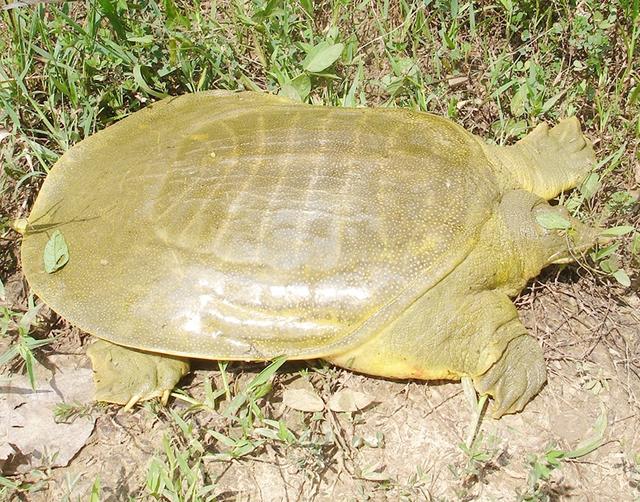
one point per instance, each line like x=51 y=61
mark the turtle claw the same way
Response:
x=132 y=402
x=127 y=376
x=515 y=378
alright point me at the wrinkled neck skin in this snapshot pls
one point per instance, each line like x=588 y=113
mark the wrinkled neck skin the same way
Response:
x=497 y=262
x=512 y=247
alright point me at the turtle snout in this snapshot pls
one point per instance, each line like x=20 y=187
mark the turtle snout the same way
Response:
x=576 y=238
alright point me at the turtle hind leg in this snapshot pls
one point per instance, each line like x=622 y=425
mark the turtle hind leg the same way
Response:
x=548 y=160
x=126 y=376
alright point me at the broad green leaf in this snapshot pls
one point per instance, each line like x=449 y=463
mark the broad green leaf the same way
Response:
x=392 y=84
x=321 y=56
x=297 y=89
x=617 y=231
x=635 y=244
x=302 y=84
x=552 y=221
x=56 y=252
x=609 y=266
x=604 y=252
x=289 y=91
x=621 y=276
x=405 y=67
x=137 y=75
x=590 y=185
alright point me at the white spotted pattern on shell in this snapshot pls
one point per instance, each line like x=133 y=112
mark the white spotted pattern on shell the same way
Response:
x=244 y=226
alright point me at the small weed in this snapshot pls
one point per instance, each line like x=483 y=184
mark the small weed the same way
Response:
x=243 y=408
x=377 y=441
x=481 y=457
x=619 y=208
x=180 y=476
x=69 y=412
x=96 y=491
x=542 y=466
x=23 y=344
x=19 y=490
x=416 y=485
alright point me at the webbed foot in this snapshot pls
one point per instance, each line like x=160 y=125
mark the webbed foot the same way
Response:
x=515 y=378
x=126 y=376
x=548 y=160
x=564 y=155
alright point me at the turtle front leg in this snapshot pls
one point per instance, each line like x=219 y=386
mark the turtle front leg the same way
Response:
x=442 y=336
x=126 y=376
x=519 y=374
x=547 y=160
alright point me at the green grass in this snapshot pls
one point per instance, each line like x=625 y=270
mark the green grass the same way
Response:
x=19 y=325
x=498 y=67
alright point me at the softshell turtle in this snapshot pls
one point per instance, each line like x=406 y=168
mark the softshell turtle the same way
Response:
x=244 y=226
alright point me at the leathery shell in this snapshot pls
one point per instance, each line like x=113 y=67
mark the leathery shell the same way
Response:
x=245 y=226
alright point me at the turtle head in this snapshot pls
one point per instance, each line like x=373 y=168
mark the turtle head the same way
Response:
x=540 y=234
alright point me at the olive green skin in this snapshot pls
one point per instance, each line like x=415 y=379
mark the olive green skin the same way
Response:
x=246 y=226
